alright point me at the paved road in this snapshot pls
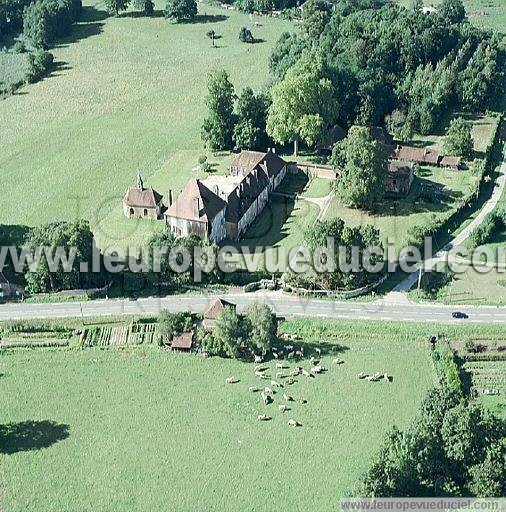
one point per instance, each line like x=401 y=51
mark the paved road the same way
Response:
x=442 y=255
x=283 y=305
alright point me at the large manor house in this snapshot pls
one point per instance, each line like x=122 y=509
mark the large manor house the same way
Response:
x=217 y=207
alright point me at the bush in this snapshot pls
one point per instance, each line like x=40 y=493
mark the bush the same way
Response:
x=39 y=64
x=446 y=368
x=470 y=346
x=246 y=36
x=19 y=47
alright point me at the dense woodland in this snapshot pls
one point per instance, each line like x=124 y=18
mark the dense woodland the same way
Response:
x=389 y=64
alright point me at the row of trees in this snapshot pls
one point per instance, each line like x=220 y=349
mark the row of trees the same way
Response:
x=44 y=21
x=242 y=336
x=234 y=120
x=452 y=448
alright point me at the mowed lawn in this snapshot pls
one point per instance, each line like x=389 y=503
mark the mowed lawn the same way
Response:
x=435 y=193
x=142 y=429
x=280 y=227
x=127 y=93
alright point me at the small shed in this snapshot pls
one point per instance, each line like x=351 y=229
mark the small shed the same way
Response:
x=451 y=162
x=214 y=311
x=183 y=342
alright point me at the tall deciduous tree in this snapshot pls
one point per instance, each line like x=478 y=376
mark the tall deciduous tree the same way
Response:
x=181 y=10
x=303 y=103
x=262 y=326
x=452 y=11
x=115 y=6
x=63 y=241
x=229 y=332
x=249 y=131
x=315 y=16
x=363 y=165
x=218 y=126
x=459 y=140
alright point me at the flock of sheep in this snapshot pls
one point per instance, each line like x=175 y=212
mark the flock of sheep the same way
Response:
x=284 y=376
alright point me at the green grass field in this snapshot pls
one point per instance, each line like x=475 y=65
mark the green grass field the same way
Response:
x=143 y=429
x=13 y=68
x=128 y=93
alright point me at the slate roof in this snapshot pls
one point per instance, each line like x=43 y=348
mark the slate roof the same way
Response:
x=400 y=170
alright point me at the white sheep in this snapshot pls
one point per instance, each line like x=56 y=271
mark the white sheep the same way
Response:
x=279 y=365
x=287 y=398
x=275 y=355
x=337 y=360
x=268 y=391
x=293 y=423
x=306 y=373
x=230 y=380
x=290 y=355
x=280 y=375
x=253 y=389
x=288 y=347
x=276 y=384
x=258 y=359
x=262 y=417
x=282 y=407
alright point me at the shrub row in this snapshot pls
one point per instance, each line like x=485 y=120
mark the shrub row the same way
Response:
x=468 y=358
x=483 y=234
x=446 y=367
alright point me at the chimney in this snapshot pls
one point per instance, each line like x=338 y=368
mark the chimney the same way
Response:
x=196 y=207
x=169 y=198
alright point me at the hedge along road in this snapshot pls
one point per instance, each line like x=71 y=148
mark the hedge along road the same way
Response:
x=282 y=304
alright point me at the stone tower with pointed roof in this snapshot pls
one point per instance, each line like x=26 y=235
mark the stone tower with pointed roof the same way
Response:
x=142 y=202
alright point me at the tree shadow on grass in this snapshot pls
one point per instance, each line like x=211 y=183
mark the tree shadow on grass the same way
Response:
x=141 y=14
x=90 y=24
x=31 y=435
x=208 y=18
